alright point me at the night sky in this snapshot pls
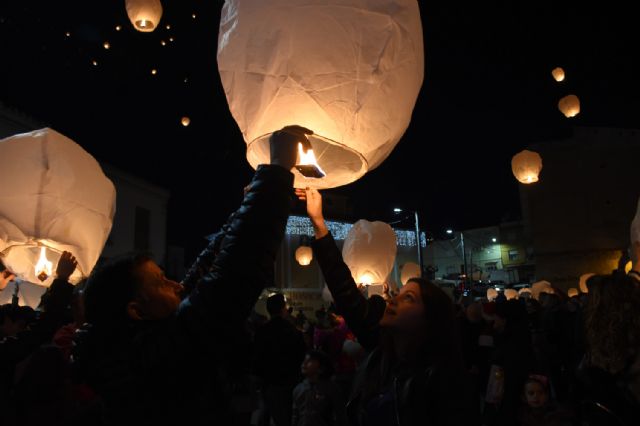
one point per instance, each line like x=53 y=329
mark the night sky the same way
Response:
x=487 y=94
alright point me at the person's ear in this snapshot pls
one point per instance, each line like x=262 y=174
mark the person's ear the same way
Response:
x=134 y=311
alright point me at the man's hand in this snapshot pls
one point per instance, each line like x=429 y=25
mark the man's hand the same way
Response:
x=284 y=145
x=314 y=209
x=5 y=278
x=66 y=266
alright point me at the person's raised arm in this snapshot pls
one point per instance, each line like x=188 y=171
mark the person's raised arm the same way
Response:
x=361 y=314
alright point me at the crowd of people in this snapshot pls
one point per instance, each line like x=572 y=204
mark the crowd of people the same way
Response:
x=130 y=346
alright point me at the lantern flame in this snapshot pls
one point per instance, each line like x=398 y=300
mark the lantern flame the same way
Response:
x=144 y=24
x=366 y=279
x=308 y=158
x=44 y=268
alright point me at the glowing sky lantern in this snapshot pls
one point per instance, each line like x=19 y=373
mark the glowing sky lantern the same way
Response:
x=583 y=282
x=409 y=270
x=144 y=14
x=304 y=255
x=573 y=292
x=185 y=121
x=526 y=166
x=558 y=74
x=492 y=293
x=569 y=106
x=54 y=197
x=540 y=287
x=370 y=251
x=350 y=70
x=511 y=294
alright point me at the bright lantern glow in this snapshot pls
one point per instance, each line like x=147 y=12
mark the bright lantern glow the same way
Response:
x=628 y=267
x=409 y=270
x=370 y=251
x=304 y=255
x=308 y=158
x=558 y=74
x=44 y=268
x=540 y=287
x=573 y=292
x=118 y=27
x=185 y=121
x=144 y=14
x=154 y=71
x=569 y=106
x=511 y=294
x=162 y=42
x=350 y=70
x=583 y=282
x=526 y=166
x=106 y=45
x=492 y=293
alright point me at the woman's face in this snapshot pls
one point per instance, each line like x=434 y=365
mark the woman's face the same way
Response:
x=536 y=395
x=406 y=310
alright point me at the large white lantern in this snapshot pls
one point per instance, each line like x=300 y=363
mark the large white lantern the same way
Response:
x=511 y=294
x=583 y=282
x=524 y=293
x=573 y=292
x=350 y=70
x=54 y=197
x=304 y=255
x=540 y=287
x=370 y=251
x=526 y=166
x=492 y=293
x=144 y=14
x=569 y=106
x=28 y=294
x=558 y=74
x=409 y=270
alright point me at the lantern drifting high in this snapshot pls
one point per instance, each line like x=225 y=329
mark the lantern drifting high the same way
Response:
x=569 y=106
x=558 y=74
x=370 y=251
x=583 y=282
x=185 y=121
x=409 y=270
x=54 y=197
x=144 y=14
x=304 y=255
x=526 y=166
x=350 y=70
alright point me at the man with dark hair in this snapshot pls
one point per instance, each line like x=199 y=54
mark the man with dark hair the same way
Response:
x=156 y=360
x=279 y=350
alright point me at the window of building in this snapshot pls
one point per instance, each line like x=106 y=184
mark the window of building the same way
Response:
x=491 y=266
x=513 y=254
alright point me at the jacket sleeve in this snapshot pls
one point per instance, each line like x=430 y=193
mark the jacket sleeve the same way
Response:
x=361 y=314
x=224 y=297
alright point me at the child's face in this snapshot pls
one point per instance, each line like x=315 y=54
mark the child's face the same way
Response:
x=310 y=367
x=536 y=395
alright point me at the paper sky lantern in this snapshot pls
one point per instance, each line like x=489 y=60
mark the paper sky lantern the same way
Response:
x=370 y=251
x=185 y=121
x=583 y=282
x=409 y=270
x=492 y=293
x=511 y=294
x=524 y=293
x=350 y=70
x=526 y=166
x=54 y=197
x=558 y=74
x=28 y=294
x=573 y=292
x=540 y=287
x=304 y=255
x=144 y=14
x=569 y=106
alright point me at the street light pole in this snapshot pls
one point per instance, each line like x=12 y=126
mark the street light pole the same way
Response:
x=464 y=259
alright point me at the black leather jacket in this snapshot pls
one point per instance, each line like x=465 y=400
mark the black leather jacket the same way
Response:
x=434 y=395
x=177 y=371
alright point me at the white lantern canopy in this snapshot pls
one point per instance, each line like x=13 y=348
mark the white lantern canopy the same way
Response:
x=558 y=74
x=409 y=270
x=54 y=197
x=583 y=282
x=492 y=293
x=573 y=292
x=540 y=287
x=144 y=14
x=350 y=70
x=569 y=106
x=304 y=255
x=526 y=166
x=511 y=294
x=28 y=294
x=370 y=251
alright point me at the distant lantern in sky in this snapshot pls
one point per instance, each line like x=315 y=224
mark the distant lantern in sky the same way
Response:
x=193 y=15
x=526 y=166
x=64 y=203
x=185 y=121
x=583 y=282
x=352 y=77
x=569 y=106
x=171 y=39
x=154 y=71
x=558 y=74
x=162 y=42
x=68 y=34
x=95 y=63
x=304 y=255
x=118 y=27
x=106 y=45
x=168 y=27
x=144 y=14
x=370 y=251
